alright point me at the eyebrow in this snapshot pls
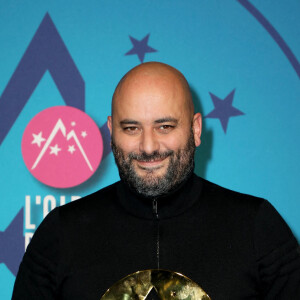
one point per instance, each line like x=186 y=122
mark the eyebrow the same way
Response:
x=158 y=121
x=128 y=121
x=167 y=119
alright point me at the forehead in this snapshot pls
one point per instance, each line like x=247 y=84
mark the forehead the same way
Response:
x=148 y=97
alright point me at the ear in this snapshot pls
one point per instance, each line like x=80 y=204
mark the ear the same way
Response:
x=109 y=124
x=197 y=128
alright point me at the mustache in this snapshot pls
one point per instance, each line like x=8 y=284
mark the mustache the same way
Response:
x=150 y=157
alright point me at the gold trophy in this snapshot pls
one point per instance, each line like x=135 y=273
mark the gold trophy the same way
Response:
x=165 y=285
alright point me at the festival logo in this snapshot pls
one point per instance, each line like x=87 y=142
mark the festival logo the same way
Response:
x=62 y=146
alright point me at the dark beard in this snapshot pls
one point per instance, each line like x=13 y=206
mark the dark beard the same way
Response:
x=181 y=164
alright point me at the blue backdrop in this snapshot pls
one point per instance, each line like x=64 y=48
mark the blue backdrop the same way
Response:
x=241 y=59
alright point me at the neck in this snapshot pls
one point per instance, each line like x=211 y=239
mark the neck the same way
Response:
x=175 y=188
x=172 y=203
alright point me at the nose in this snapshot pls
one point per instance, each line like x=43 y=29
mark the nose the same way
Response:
x=149 y=142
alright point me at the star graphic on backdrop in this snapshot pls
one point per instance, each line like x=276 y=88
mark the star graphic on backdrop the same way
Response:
x=223 y=109
x=55 y=150
x=73 y=123
x=140 y=48
x=71 y=149
x=38 y=139
x=83 y=134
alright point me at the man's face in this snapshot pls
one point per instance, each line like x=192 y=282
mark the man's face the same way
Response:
x=152 y=135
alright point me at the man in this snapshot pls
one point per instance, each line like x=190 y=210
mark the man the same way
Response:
x=160 y=215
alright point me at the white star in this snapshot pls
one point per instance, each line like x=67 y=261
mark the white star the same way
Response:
x=73 y=123
x=37 y=139
x=71 y=149
x=55 y=150
x=83 y=134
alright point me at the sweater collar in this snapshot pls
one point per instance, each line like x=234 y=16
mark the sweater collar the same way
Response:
x=170 y=205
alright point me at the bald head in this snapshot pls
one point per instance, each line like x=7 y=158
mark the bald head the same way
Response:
x=154 y=130
x=154 y=76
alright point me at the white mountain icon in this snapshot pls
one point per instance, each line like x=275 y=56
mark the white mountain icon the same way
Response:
x=59 y=126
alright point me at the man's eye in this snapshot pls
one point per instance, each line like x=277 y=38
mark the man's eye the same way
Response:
x=131 y=129
x=165 y=128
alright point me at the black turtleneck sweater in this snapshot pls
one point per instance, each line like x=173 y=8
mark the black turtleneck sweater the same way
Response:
x=234 y=246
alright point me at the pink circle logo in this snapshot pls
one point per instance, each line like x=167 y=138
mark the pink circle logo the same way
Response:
x=62 y=146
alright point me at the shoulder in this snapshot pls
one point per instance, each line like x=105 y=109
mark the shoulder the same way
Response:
x=77 y=210
x=69 y=221
x=219 y=197
x=245 y=213
x=258 y=215
x=77 y=214
x=100 y=200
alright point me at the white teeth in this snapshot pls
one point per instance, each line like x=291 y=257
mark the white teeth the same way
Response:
x=150 y=160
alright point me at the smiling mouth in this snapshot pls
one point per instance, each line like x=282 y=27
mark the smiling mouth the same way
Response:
x=150 y=164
